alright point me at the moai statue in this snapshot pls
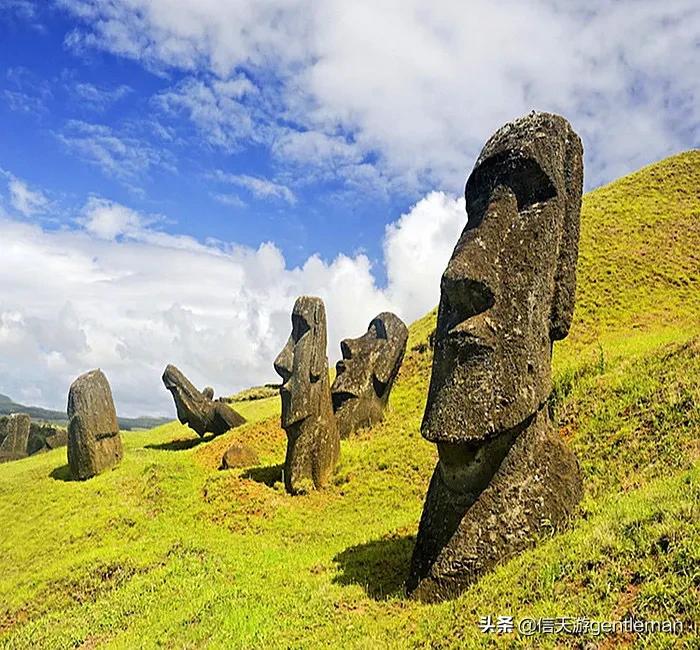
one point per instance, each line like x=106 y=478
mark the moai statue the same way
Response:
x=313 y=443
x=507 y=294
x=198 y=410
x=94 y=444
x=366 y=373
x=15 y=445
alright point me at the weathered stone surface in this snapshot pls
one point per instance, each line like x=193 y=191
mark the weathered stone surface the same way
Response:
x=198 y=410
x=507 y=294
x=39 y=432
x=16 y=430
x=58 y=439
x=94 y=444
x=365 y=375
x=313 y=442
x=239 y=456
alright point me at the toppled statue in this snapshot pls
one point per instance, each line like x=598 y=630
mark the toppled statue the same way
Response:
x=313 y=443
x=198 y=410
x=15 y=444
x=366 y=373
x=507 y=294
x=94 y=444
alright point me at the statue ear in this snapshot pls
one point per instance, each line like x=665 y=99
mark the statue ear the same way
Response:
x=319 y=361
x=565 y=277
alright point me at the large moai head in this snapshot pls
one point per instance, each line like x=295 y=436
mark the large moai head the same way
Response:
x=303 y=362
x=508 y=290
x=366 y=373
x=93 y=431
x=197 y=409
x=507 y=294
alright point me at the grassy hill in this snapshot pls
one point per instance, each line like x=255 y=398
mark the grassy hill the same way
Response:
x=166 y=550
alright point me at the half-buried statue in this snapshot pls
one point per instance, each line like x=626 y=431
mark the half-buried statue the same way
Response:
x=365 y=375
x=507 y=294
x=197 y=409
x=313 y=443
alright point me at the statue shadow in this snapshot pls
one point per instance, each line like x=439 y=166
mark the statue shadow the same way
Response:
x=269 y=475
x=61 y=473
x=181 y=444
x=380 y=567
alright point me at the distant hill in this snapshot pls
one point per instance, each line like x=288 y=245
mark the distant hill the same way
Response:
x=7 y=406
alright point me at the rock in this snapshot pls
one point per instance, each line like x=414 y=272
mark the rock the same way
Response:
x=198 y=410
x=208 y=392
x=239 y=456
x=507 y=294
x=94 y=444
x=313 y=442
x=39 y=433
x=58 y=439
x=16 y=430
x=366 y=373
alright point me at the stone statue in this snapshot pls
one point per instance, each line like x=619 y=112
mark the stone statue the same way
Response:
x=313 y=443
x=507 y=294
x=94 y=444
x=198 y=410
x=366 y=373
x=16 y=429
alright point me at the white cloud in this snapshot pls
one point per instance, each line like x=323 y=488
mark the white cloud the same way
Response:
x=421 y=88
x=259 y=187
x=118 y=156
x=119 y=294
x=96 y=97
x=23 y=199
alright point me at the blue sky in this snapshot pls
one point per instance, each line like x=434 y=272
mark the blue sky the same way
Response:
x=173 y=173
x=71 y=110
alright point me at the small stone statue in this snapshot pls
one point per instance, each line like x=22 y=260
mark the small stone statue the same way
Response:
x=16 y=429
x=366 y=373
x=94 y=444
x=313 y=443
x=198 y=410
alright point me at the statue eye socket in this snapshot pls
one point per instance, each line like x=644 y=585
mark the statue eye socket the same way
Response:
x=377 y=326
x=299 y=327
x=523 y=176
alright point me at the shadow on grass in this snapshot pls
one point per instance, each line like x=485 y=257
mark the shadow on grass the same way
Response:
x=61 y=473
x=180 y=444
x=268 y=475
x=380 y=566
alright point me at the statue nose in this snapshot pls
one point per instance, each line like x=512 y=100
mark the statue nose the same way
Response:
x=347 y=348
x=465 y=297
x=284 y=362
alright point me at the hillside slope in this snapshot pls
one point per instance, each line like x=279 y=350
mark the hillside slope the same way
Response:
x=166 y=550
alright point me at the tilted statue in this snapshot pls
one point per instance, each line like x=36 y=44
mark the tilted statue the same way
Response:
x=507 y=294
x=313 y=443
x=366 y=373
x=94 y=444
x=197 y=409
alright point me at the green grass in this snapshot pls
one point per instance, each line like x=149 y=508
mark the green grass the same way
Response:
x=166 y=550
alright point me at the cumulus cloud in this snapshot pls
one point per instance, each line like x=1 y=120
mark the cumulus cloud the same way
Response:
x=118 y=293
x=419 y=89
